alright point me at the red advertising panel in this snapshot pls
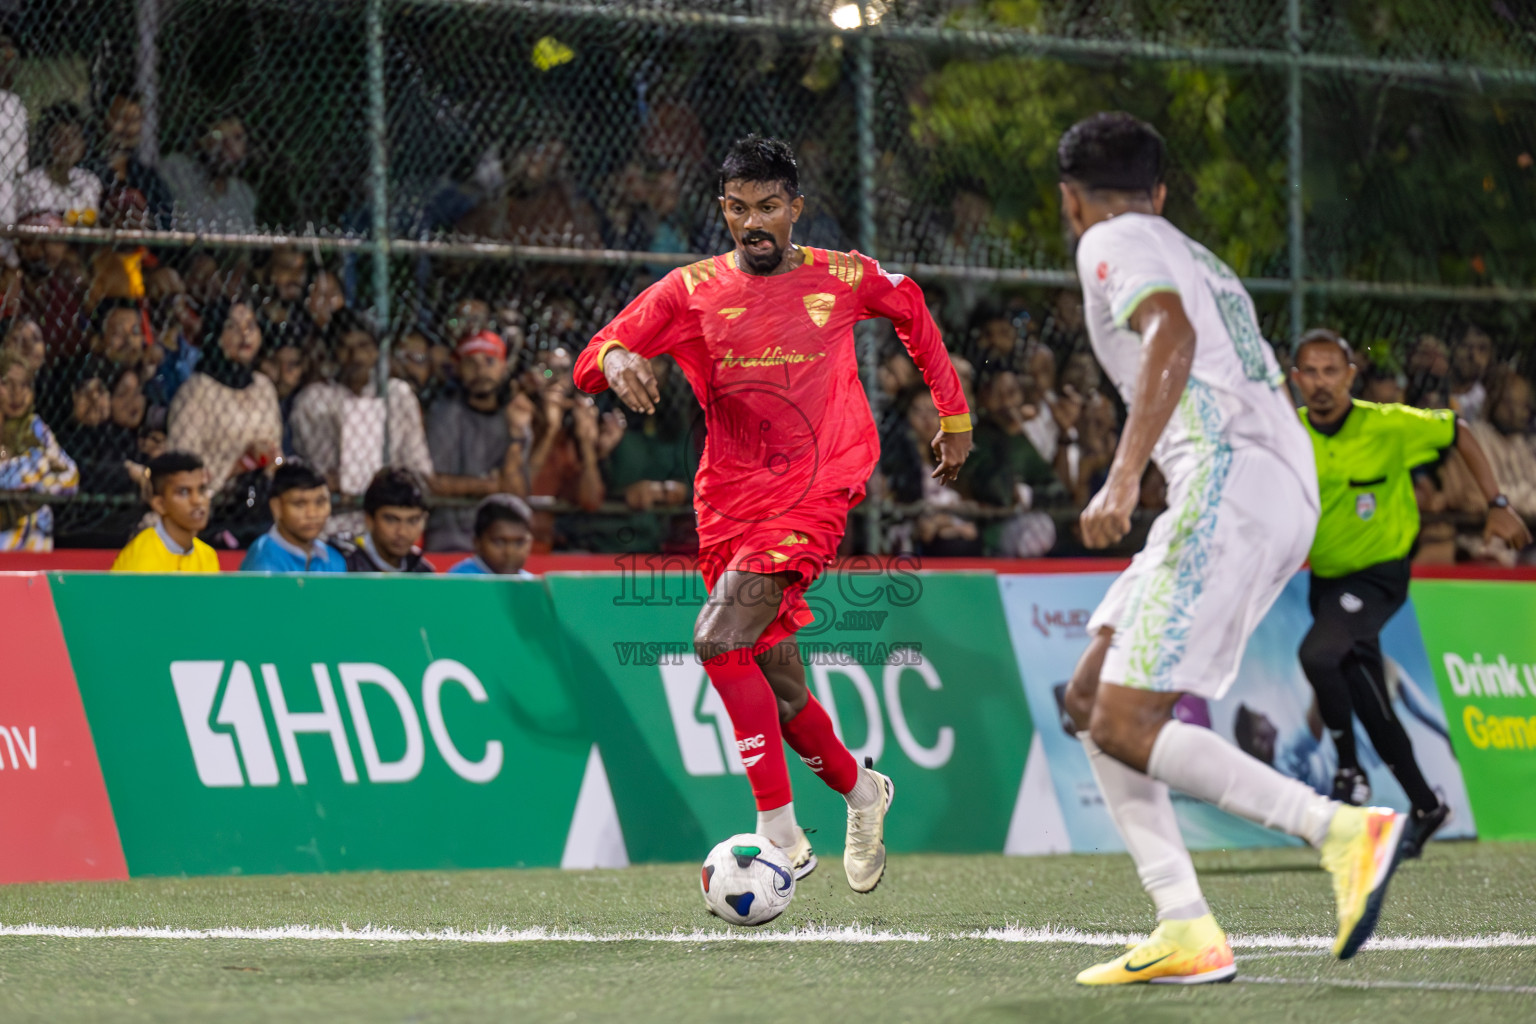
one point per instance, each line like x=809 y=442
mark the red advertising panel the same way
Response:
x=55 y=822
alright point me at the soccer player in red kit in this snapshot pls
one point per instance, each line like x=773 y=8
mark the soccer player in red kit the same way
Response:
x=764 y=335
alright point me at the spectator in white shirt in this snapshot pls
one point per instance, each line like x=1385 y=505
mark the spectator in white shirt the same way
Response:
x=339 y=426
x=210 y=195
x=13 y=135
x=59 y=184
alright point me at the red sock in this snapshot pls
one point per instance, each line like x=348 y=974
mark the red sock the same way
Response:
x=810 y=735
x=754 y=711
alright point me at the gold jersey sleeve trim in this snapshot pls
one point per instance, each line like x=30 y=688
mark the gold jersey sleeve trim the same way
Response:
x=696 y=274
x=846 y=268
x=602 y=351
x=959 y=423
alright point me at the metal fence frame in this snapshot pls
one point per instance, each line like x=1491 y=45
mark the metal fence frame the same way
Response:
x=1295 y=60
x=381 y=243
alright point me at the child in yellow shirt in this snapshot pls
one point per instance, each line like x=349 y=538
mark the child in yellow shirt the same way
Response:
x=181 y=496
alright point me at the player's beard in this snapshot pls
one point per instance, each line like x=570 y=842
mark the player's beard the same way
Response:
x=760 y=264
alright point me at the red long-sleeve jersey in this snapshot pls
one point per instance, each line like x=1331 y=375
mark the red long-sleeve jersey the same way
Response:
x=772 y=362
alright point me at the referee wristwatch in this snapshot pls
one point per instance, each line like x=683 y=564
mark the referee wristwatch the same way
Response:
x=1499 y=501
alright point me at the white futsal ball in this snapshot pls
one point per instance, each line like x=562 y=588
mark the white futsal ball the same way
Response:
x=747 y=880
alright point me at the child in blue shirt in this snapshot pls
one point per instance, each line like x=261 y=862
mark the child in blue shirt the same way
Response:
x=300 y=504
x=503 y=538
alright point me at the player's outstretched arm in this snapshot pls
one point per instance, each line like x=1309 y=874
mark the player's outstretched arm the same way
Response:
x=617 y=357
x=901 y=301
x=1168 y=352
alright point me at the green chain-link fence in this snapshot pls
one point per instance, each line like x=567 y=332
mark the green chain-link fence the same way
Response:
x=446 y=166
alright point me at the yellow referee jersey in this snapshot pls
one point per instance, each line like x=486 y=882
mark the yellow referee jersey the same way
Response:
x=1369 y=512
x=152 y=551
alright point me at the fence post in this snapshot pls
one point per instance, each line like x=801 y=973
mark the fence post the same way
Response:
x=864 y=92
x=146 y=78
x=378 y=130
x=1294 y=211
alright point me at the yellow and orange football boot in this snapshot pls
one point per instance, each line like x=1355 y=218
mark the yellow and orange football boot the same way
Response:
x=1362 y=850
x=1191 y=952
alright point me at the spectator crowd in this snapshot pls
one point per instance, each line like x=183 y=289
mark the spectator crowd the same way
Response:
x=272 y=381
x=128 y=370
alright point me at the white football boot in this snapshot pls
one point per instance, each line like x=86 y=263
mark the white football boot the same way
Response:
x=802 y=859
x=864 y=852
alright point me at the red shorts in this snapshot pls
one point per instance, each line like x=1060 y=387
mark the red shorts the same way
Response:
x=802 y=542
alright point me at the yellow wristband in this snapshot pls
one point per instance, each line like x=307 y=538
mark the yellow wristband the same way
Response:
x=959 y=423
x=603 y=351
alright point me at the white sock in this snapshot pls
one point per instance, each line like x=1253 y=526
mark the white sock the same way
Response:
x=1144 y=815
x=1199 y=762
x=778 y=825
x=864 y=792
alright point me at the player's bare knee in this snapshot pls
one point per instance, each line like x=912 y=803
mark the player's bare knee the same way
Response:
x=1108 y=730
x=1117 y=727
x=1084 y=685
x=1125 y=722
x=713 y=637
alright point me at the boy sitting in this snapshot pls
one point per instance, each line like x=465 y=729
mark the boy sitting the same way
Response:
x=300 y=503
x=394 y=514
x=503 y=537
x=180 y=496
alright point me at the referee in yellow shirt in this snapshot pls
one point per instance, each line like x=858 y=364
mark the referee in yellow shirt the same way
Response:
x=1370 y=521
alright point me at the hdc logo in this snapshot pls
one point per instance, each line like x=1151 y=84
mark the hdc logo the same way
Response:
x=707 y=741
x=197 y=685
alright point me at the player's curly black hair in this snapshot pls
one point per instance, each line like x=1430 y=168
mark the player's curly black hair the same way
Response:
x=1112 y=151
x=757 y=158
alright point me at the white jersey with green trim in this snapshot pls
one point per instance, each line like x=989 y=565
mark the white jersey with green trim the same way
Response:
x=1236 y=396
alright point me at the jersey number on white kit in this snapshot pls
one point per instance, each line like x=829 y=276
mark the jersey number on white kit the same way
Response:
x=1236 y=313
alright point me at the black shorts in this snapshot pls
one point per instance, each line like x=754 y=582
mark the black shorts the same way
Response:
x=1365 y=599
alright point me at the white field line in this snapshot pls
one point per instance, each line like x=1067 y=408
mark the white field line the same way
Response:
x=1440 y=986
x=501 y=936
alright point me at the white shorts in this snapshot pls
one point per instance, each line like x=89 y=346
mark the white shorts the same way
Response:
x=1214 y=563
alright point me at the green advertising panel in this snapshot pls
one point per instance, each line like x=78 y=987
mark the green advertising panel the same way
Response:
x=916 y=670
x=285 y=723
x=1481 y=638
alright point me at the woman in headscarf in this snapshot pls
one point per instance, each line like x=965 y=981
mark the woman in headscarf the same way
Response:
x=30 y=460
x=227 y=412
x=95 y=422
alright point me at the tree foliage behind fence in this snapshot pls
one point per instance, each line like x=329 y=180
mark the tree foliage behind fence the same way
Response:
x=550 y=158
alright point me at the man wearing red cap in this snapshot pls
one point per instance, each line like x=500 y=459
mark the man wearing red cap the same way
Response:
x=479 y=438
x=764 y=335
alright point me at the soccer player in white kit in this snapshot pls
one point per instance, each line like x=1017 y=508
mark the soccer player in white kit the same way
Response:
x=1176 y=332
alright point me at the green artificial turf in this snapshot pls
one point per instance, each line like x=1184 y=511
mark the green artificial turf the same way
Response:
x=1462 y=889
